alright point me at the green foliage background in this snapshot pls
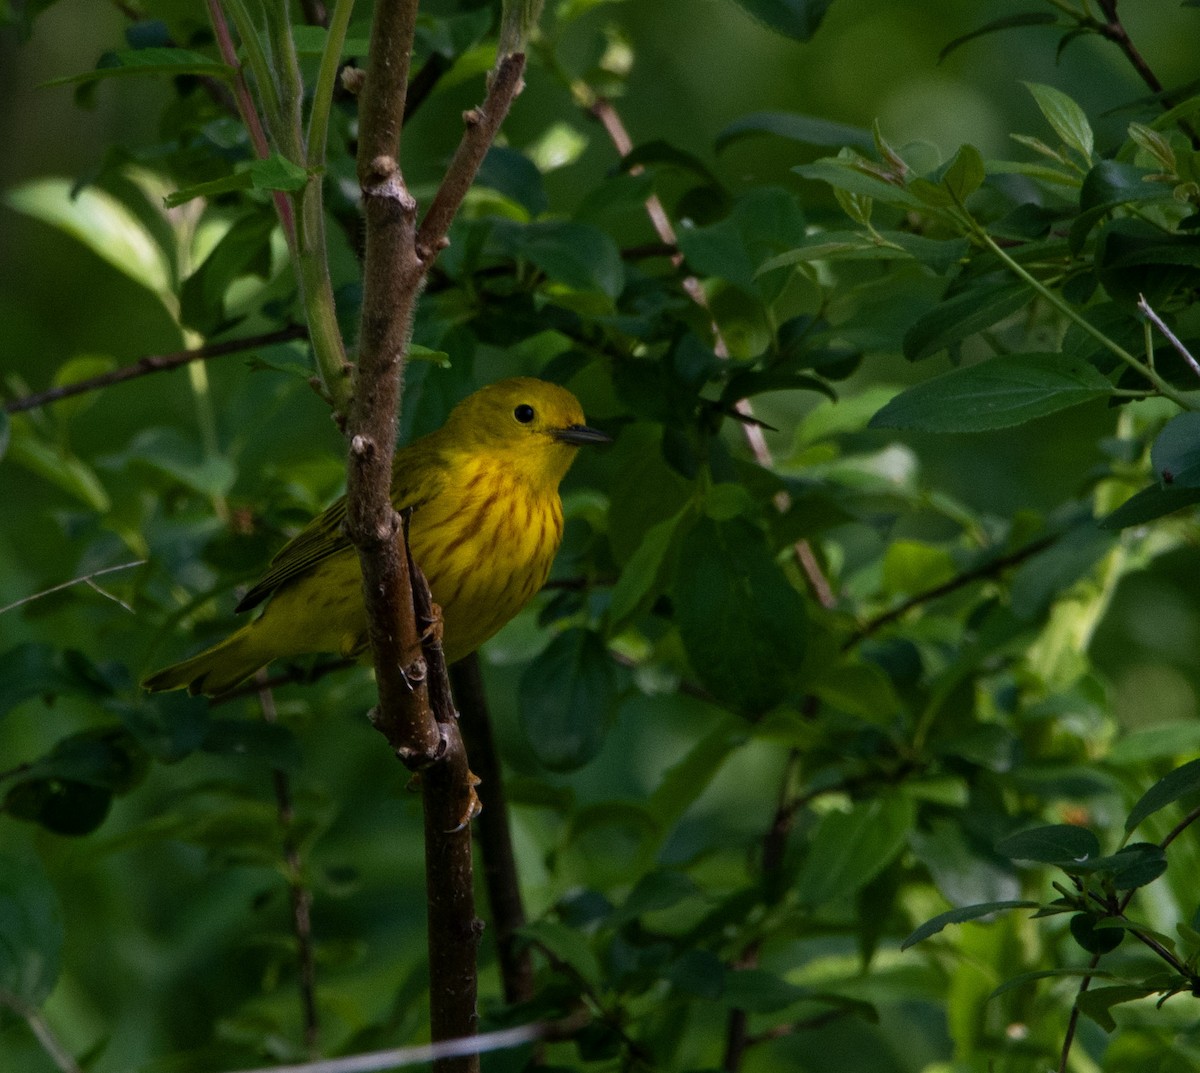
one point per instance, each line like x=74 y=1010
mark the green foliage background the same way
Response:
x=143 y=889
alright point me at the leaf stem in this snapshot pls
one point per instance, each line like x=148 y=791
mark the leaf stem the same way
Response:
x=1118 y=351
x=322 y=102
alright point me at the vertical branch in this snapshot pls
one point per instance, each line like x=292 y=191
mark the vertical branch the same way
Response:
x=299 y=895
x=495 y=838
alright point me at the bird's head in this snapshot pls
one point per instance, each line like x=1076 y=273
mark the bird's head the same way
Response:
x=532 y=426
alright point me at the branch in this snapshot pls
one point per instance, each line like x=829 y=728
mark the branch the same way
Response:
x=1169 y=335
x=83 y=579
x=495 y=838
x=299 y=895
x=482 y=125
x=38 y=1025
x=155 y=363
x=991 y=568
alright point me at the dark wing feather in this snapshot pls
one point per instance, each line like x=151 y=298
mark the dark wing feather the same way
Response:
x=415 y=481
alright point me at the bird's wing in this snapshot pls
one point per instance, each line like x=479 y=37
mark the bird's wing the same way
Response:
x=415 y=481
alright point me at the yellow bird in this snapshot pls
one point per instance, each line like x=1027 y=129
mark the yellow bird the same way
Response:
x=486 y=524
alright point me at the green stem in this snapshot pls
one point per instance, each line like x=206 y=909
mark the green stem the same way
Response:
x=318 y=120
x=259 y=65
x=1161 y=386
x=289 y=135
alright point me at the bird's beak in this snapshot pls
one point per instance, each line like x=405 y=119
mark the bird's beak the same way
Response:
x=579 y=435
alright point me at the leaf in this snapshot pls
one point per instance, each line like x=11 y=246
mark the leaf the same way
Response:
x=1169 y=789
x=1175 y=453
x=64 y=806
x=998 y=393
x=805 y=129
x=964 y=174
x=848 y=849
x=961 y=916
x=797 y=19
x=690 y=775
x=31 y=929
x=514 y=175
x=1058 y=843
x=1093 y=939
x=642 y=574
x=576 y=255
x=268 y=743
x=660 y=889
x=65 y=471
x=1096 y=1002
x=149 y=61
x=741 y=621
x=963 y=315
x=858 y=689
x=567 y=945
x=846 y=173
x=568 y=696
x=1007 y=22
x=1069 y=121
x=760 y=991
x=102 y=223
x=245 y=249
x=1149 y=504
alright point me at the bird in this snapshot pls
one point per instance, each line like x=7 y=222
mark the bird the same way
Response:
x=486 y=522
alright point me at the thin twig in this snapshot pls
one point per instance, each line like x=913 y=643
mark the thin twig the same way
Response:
x=484 y=1043
x=154 y=363
x=299 y=895
x=83 y=579
x=991 y=568
x=1073 y=1017
x=610 y=119
x=1169 y=335
x=40 y=1027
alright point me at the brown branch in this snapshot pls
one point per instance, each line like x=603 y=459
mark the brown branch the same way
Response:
x=155 y=363
x=482 y=124
x=991 y=568
x=610 y=119
x=495 y=838
x=299 y=895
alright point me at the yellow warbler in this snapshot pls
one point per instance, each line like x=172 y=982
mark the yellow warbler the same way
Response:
x=486 y=523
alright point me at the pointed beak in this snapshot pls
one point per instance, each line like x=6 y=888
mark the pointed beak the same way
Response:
x=579 y=435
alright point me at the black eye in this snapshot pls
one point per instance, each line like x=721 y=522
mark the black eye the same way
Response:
x=524 y=413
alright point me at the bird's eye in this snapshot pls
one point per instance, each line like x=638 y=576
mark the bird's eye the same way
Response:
x=524 y=413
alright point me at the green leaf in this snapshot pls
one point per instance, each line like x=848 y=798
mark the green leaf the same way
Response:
x=965 y=173
x=245 y=249
x=998 y=393
x=848 y=849
x=39 y=670
x=1149 y=504
x=567 y=945
x=850 y=174
x=1069 y=121
x=760 y=991
x=581 y=257
x=568 y=696
x=805 y=129
x=1093 y=939
x=102 y=223
x=797 y=19
x=859 y=689
x=64 y=806
x=1169 y=789
x=741 y=621
x=268 y=743
x=961 y=916
x=65 y=471
x=1097 y=1002
x=1175 y=453
x=31 y=929
x=642 y=575
x=149 y=61
x=1007 y=22
x=686 y=779
x=106 y=757
x=963 y=315
x=1058 y=843
x=660 y=889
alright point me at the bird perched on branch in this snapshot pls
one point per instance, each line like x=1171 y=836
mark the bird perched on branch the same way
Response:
x=486 y=523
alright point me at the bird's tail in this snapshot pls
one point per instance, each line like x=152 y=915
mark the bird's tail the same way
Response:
x=216 y=670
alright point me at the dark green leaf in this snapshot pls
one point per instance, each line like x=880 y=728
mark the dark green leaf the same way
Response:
x=848 y=849
x=852 y=175
x=107 y=758
x=63 y=806
x=1056 y=844
x=1007 y=22
x=797 y=19
x=759 y=991
x=515 y=176
x=963 y=315
x=245 y=249
x=1094 y=940
x=663 y=152
x=1069 y=121
x=1148 y=504
x=269 y=743
x=567 y=945
x=700 y=973
x=31 y=929
x=998 y=393
x=1169 y=789
x=742 y=622
x=964 y=174
x=568 y=696
x=808 y=130
x=643 y=574
x=33 y=670
x=661 y=889
x=150 y=61
x=277 y=173
x=961 y=916
x=577 y=255
x=1175 y=453
x=1097 y=1002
